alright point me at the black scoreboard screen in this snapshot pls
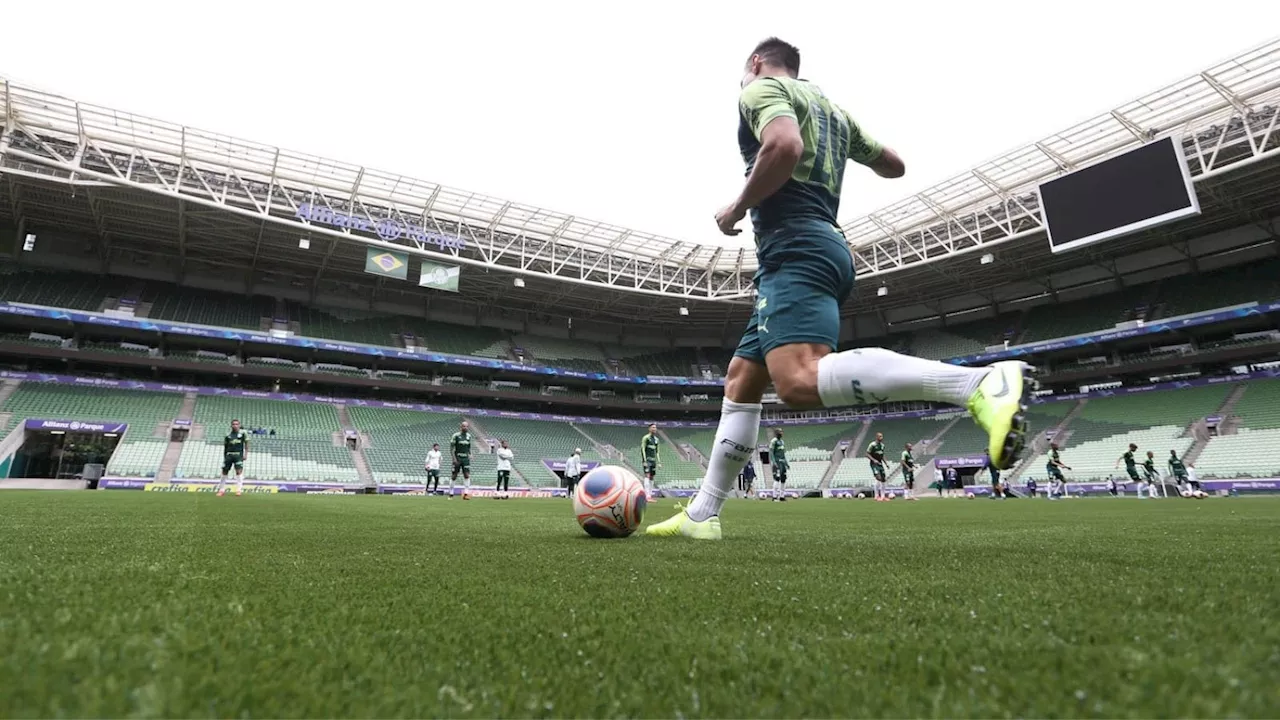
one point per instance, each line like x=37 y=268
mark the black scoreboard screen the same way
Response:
x=1143 y=188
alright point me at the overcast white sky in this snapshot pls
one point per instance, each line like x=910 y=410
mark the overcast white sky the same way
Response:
x=624 y=112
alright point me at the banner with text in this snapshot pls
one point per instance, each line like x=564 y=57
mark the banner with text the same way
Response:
x=86 y=426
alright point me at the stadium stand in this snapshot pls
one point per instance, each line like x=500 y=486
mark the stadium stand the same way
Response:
x=963 y=438
x=302 y=449
x=1254 y=451
x=675 y=470
x=673 y=362
x=139 y=453
x=1221 y=288
x=52 y=288
x=536 y=440
x=400 y=439
x=205 y=307
x=556 y=352
x=965 y=338
x=1155 y=421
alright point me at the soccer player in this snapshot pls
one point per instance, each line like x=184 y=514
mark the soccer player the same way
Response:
x=908 y=471
x=432 y=466
x=649 y=457
x=505 y=454
x=235 y=448
x=1179 y=471
x=1057 y=482
x=875 y=453
x=1149 y=472
x=997 y=490
x=1131 y=467
x=778 y=461
x=795 y=143
x=460 y=449
x=573 y=471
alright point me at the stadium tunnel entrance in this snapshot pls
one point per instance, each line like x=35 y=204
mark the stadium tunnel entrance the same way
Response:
x=59 y=450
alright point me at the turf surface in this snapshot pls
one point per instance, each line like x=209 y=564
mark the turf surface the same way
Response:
x=156 y=605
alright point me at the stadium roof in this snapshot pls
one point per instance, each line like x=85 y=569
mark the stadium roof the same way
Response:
x=268 y=197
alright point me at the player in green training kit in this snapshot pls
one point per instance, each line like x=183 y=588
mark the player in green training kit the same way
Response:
x=235 y=448
x=778 y=461
x=460 y=449
x=795 y=143
x=908 y=472
x=1179 y=471
x=1131 y=466
x=649 y=458
x=1150 y=475
x=875 y=454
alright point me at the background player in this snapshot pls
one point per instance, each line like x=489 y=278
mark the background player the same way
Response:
x=650 y=458
x=1151 y=475
x=1179 y=472
x=504 y=454
x=235 y=448
x=875 y=453
x=432 y=466
x=908 y=472
x=573 y=471
x=1057 y=482
x=460 y=450
x=997 y=490
x=778 y=461
x=795 y=143
x=1131 y=466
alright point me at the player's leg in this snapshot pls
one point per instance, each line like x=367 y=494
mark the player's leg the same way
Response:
x=227 y=464
x=735 y=440
x=240 y=477
x=801 y=312
x=466 y=482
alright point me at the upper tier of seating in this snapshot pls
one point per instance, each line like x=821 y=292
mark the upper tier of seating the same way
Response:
x=88 y=292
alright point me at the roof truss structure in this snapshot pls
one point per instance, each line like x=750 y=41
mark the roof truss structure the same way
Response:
x=1226 y=117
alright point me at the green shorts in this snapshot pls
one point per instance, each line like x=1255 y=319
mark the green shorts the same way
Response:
x=232 y=460
x=805 y=275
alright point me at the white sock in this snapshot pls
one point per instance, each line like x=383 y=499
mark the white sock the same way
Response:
x=222 y=483
x=873 y=375
x=736 y=438
x=239 y=483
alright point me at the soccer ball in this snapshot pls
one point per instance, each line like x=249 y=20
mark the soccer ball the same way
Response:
x=609 y=502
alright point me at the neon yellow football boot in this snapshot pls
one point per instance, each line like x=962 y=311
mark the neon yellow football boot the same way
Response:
x=682 y=525
x=999 y=406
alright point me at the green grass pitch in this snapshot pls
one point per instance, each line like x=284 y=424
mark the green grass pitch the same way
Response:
x=155 y=605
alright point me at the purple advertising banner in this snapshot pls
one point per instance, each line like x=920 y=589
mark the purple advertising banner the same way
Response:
x=89 y=426
x=181 y=422
x=964 y=461
x=250 y=486
x=557 y=466
x=479 y=412
x=480 y=492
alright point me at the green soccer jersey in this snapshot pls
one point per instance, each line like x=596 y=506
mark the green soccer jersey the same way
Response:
x=875 y=451
x=460 y=445
x=1149 y=465
x=649 y=447
x=235 y=443
x=1175 y=464
x=908 y=462
x=777 y=451
x=831 y=138
x=1129 y=462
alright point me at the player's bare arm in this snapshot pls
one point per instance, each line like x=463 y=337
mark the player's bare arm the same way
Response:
x=780 y=150
x=888 y=165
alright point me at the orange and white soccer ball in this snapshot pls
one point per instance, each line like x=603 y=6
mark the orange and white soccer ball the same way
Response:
x=609 y=502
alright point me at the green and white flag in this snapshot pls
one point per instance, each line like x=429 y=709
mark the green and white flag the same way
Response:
x=439 y=277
